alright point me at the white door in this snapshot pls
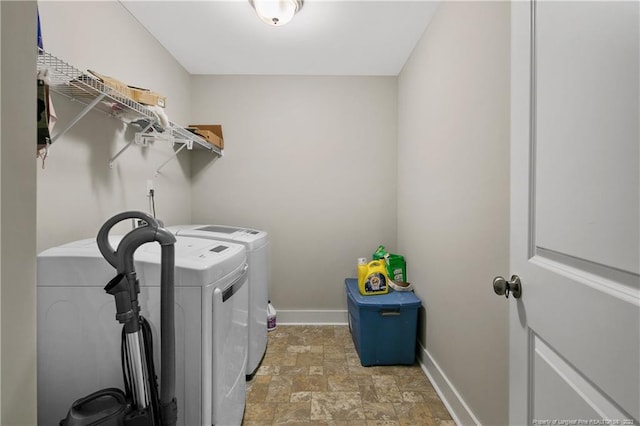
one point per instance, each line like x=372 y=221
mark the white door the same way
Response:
x=575 y=195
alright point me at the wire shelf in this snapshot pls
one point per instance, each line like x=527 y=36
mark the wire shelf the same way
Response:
x=77 y=85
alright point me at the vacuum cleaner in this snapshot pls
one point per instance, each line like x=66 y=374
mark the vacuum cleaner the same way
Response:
x=139 y=404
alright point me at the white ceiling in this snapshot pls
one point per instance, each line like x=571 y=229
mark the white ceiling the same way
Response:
x=339 y=37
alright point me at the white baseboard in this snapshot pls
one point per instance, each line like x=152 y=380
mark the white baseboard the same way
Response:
x=298 y=317
x=458 y=408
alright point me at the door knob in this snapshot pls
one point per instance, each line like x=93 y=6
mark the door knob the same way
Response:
x=513 y=286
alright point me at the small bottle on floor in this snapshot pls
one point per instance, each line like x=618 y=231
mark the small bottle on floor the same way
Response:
x=271 y=317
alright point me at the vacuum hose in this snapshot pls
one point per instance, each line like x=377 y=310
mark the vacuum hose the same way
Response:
x=168 y=405
x=125 y=288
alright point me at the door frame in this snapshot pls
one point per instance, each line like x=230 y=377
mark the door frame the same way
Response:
x=521 y=145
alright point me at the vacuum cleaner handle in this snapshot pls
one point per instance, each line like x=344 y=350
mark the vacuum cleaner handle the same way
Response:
x=123 y=288
x=103 y=234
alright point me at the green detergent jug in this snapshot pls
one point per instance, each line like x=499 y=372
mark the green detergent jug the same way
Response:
x=396 y=266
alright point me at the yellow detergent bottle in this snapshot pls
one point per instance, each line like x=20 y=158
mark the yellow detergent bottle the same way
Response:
x=375 y=279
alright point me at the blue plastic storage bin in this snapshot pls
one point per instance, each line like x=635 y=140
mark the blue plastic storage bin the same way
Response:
x=383 y=327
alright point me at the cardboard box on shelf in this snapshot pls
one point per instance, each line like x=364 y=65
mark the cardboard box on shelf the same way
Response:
x=211 y=132
x=138 y=94
x=113 y=83
x=147 y=97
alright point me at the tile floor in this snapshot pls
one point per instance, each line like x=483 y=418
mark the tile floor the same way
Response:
x=312 y=375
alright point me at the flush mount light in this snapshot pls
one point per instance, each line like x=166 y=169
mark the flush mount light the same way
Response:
x=276 y=12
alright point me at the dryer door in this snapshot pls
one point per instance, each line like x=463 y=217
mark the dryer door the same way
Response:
x=230 y=307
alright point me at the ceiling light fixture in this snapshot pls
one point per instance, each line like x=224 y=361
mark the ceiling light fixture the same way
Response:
x=276 y=12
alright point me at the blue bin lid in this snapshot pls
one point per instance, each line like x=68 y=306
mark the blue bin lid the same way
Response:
x=393 y=299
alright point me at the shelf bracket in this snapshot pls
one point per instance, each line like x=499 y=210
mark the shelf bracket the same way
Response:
x=82 y=113
x=137 y=140
x=119 y=153
x=142 y=136
x=175 y=155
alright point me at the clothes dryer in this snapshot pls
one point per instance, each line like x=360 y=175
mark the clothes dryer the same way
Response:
x=79 y=339
x=257 y=245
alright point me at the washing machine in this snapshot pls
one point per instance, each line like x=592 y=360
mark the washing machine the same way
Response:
x=257 y=245
x=79 y=337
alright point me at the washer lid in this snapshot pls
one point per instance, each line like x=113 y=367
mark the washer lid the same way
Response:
x=251 y=238
x=197 y=262
x=78 y=263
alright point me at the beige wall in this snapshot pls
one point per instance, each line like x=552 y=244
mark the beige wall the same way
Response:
x=77 y=191
x=18 y=216
x=453 y=196
x=311 y=160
